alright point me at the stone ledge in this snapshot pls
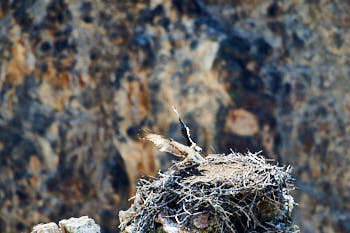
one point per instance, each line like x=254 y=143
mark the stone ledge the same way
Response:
x=83 y=224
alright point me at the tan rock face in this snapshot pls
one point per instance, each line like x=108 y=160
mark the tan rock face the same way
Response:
x=78 y=79
x=241 y=122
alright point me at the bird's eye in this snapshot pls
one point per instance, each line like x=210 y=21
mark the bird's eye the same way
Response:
x=198 y=149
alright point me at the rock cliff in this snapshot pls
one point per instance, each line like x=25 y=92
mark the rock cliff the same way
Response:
x=78 y=79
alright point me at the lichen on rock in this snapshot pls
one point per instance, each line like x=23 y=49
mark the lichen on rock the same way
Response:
x=82 y=224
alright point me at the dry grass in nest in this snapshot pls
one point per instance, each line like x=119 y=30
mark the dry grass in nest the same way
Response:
x=225 y=193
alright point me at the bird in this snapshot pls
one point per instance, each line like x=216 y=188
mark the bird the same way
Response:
x=191 y=151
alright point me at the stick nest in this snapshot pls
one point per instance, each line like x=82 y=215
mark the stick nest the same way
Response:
x=226 y=193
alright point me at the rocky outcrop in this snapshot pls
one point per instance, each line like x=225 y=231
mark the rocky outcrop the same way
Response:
x=79 y=78
x=73 y=225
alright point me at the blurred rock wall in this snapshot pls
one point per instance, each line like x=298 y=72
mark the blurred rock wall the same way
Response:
x=78 y=79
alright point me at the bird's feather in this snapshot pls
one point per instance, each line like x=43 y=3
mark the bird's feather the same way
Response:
x=165 y=144
x=184 y=129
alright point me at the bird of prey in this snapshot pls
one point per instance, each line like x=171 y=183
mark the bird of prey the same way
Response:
x=164 y=144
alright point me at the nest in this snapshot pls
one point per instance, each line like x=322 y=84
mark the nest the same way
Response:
x=225 y=193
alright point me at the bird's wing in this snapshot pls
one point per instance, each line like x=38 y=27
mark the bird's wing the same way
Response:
x=165 y=144
x=184 y=129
